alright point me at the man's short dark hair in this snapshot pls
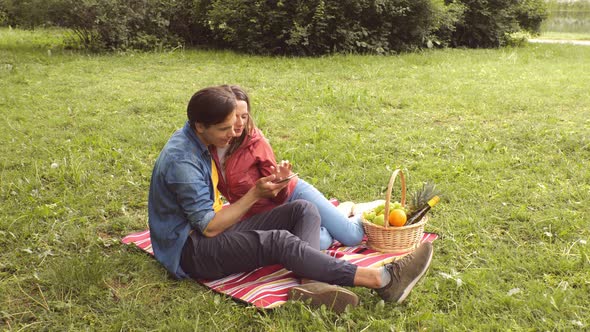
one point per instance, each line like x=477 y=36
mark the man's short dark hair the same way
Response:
x=210 y=106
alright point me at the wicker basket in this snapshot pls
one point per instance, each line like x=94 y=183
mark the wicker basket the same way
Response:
x=389 y=238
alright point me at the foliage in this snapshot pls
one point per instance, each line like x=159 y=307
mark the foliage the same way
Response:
x=109 y=24
x=324 y=26
x=450 y=14
x=25 y=13
x=188 y=21
x=3 y=17
x=517 y=39
x=486 y=22
x=298 y=27
x=505 y=141
x=530 y=14
x=120 y=25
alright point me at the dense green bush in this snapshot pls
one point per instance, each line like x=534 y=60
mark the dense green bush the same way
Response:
x=486 y=23
x=101 y=24
x=189 y=21
x=530 y=14
x=294 y=27
x=25 y=13
x=3 y=17
x=321 y=26
x=120 y=25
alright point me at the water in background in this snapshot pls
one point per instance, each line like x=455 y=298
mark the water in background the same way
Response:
x=565 y=16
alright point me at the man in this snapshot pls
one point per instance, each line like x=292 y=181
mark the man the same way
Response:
x=192 y=236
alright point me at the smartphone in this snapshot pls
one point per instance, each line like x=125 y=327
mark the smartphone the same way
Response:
x=287 y=178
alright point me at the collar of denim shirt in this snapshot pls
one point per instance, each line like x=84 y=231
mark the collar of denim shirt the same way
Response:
x=190 y=133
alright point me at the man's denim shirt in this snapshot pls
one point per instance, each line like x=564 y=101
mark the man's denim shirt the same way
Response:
x=181 y=196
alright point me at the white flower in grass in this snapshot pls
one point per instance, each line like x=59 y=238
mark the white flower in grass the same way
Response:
x=582 y=241
x=548 y=234
x=577 y=323
x=513 y=291
x=452 y=275
x=563 y=285
x=54 y=165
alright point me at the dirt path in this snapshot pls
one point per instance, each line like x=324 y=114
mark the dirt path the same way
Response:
x=561 y=41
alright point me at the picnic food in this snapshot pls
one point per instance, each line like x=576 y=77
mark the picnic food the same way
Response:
x=377 y=217
x=419 y=198
x=404 y=238
x=419 y=214
x=397 y=217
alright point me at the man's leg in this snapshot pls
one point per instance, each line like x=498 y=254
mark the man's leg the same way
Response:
x=300 y=218
x=270 y=238
x=242 y=251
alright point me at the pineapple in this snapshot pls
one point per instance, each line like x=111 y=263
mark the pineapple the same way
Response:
x=420 y=197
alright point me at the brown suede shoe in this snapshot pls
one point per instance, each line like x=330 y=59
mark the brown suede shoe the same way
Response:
x=333 y=297
x=405 y=273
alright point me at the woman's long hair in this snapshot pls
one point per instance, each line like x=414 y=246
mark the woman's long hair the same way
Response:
x=248 y=127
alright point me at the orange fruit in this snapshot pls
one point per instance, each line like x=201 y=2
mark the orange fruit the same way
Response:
x=397 y=217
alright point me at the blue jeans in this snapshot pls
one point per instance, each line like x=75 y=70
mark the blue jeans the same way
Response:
x=334 y=224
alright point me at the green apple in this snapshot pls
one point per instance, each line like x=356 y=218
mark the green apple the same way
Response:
x=379 y=220
x=379 y=209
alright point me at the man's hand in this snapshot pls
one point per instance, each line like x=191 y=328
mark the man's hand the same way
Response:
x=267 y=188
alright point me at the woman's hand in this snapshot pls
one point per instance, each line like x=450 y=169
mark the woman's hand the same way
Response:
x=282 y=170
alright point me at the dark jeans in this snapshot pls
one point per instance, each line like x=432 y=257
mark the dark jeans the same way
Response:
x=288 y=235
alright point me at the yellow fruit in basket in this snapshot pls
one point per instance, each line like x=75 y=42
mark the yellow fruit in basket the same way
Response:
x=397 y=217
x=379 y=220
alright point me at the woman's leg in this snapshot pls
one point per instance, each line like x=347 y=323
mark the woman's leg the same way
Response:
x=347 y=231
x=326 y=238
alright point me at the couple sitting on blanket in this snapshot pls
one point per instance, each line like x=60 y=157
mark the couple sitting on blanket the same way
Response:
x=268 y=222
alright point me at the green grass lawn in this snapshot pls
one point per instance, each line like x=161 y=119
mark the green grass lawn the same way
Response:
x=505 y=133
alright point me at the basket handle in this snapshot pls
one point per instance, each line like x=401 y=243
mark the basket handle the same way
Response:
x=388 y=194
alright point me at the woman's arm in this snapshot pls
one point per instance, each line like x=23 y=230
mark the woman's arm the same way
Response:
x=267 y=163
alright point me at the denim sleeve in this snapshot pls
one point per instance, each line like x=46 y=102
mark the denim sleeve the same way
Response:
x=189 y=182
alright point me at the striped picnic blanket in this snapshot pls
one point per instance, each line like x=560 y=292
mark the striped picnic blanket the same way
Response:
x=267 y=287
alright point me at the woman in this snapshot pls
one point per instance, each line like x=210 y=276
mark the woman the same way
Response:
x=249 y=157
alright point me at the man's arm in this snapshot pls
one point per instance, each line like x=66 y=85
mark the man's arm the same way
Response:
x=231 y=215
